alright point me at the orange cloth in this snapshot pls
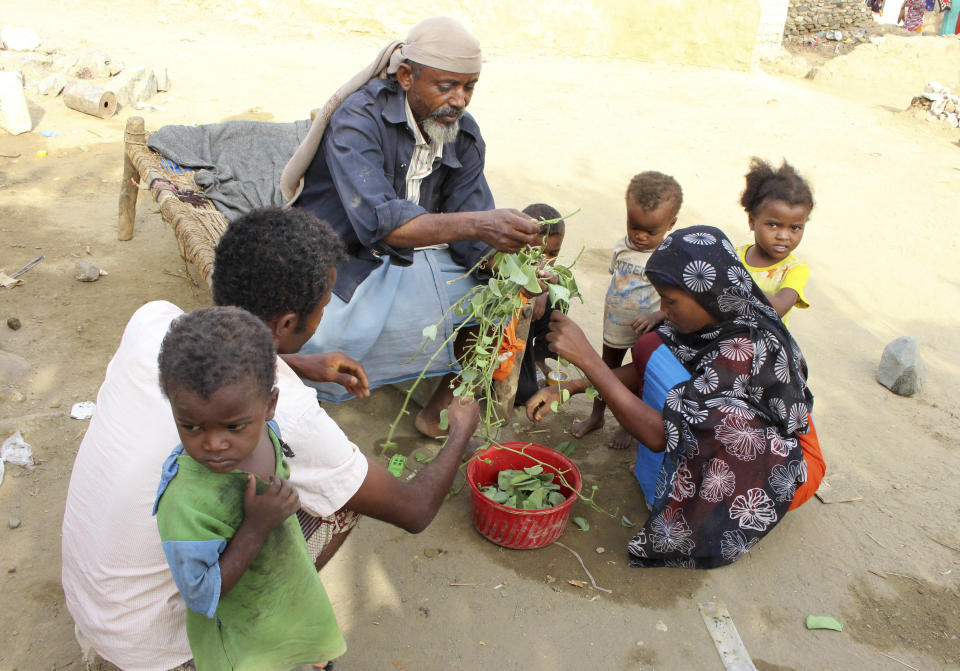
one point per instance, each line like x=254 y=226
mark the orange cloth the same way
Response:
x=816 y=467
x=510 y=346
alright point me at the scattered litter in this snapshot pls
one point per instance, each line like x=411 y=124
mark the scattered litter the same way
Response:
x=838 y=490
x=396 y=464
x=83 y=410
x=725 y=636
x=876 y=573
x=49 y=133
x=584 y=567
x=498 y=586
x=5 y=155
x=8 y=282
x=624 y=520
x=28 y=266
x=601 y=550
x=549 y=579
x=15 y=450
x=457 y=584
x=42 y=153
x=430 y=553
x=581 y=523
x=824 y=622
x=875 y=540
x=13 y=522
x=661 y=625
x=578 y=583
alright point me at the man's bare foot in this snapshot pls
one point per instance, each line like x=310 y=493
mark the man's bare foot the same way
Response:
x=582 y=427
x=428 y=425
x=621 y=440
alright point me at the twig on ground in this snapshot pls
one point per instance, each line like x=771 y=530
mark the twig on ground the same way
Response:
x=876 y=573
x=939 y=542
x=875 y=540
x=462 y=584
x=900 y=661
x=592 y=581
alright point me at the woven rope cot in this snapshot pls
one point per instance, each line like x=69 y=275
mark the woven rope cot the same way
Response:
x=196 y=223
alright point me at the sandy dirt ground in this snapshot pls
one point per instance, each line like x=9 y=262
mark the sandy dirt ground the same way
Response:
x=571 y=132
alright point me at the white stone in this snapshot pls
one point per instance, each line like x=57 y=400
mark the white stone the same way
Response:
x=52 y=85
x=14 y=113
x=134 y=85
x=65 y=63
x=17 y=38
x=933 y=87
x=95 y=61
x=163 y=79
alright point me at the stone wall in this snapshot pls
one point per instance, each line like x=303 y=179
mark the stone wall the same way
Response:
x=809 y=17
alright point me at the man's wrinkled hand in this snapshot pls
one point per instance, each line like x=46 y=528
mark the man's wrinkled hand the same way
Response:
x=508 y=230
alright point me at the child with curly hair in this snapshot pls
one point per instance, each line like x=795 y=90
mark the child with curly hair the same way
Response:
x=778 y=204
x=225 y=510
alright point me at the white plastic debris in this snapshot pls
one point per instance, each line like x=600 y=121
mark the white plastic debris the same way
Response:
x=83 y=410
x=15 y=450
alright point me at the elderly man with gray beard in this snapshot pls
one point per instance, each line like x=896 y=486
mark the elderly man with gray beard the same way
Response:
x=395 y=164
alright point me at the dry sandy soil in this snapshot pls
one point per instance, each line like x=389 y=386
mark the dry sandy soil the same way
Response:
x=569 y=131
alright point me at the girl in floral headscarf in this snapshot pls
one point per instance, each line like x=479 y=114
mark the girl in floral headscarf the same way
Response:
x=736 y=435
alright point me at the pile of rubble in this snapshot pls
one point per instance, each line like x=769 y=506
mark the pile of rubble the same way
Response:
x=940 y=103
x=28 y=64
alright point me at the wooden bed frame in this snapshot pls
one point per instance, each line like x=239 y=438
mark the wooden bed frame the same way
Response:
x=198 y=225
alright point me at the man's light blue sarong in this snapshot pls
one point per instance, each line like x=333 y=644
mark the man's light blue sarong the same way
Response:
x=382 y=325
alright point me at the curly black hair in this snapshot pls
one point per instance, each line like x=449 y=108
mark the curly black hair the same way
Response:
x=544 y=212
x=782 y=184
x=211 y=348
x=272 y=260
x=649 y=189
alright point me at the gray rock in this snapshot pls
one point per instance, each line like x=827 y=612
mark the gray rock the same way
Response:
x=14 y=522
x=12 y=366
x=86 y=271
x=52 y=85
x=14 y=114
x=19 y=38
x=902 y=368
x=145 y=88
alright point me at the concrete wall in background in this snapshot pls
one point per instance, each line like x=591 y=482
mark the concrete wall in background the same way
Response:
x=714 y=34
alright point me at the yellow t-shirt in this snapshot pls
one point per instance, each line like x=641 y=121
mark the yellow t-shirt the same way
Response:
x=791 y=273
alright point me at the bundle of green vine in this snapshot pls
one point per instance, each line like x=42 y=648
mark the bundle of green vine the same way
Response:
x=490 y=307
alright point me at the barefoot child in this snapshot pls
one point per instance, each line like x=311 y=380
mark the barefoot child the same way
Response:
x=778 y=204
x=224 y=508
x=536 y=353
x=632 y=305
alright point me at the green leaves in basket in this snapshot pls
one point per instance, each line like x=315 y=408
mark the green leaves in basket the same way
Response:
x=527 y=489
x=581 y=523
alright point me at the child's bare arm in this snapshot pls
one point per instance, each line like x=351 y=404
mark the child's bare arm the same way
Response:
x=261 y=515
x=647 y=322
x=783 y=300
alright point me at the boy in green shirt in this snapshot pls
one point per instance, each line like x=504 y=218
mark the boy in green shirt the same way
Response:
x=225 y=510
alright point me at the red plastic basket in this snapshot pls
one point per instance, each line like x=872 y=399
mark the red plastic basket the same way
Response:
x=511 y=527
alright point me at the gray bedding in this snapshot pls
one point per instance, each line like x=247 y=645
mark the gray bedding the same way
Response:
x=237 y=163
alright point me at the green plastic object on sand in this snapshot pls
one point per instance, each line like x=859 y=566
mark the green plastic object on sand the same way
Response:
x=824 y=622
x=397 y=464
